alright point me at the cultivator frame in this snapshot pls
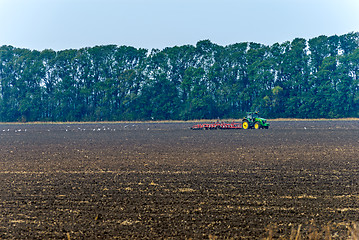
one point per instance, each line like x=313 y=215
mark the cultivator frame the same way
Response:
x=217 y=125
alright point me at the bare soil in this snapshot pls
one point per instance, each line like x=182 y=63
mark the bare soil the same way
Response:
x=163 y=180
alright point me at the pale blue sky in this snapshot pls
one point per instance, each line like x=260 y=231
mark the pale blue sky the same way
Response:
x=64 y=24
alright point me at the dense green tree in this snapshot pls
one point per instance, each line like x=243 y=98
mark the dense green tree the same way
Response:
x=348 y=85
x=300 y=78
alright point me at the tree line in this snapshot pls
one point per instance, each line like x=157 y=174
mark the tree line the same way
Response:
x=316 y=78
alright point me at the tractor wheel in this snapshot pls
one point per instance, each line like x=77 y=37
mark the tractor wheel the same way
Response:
x=257 y=125
x=245 y=124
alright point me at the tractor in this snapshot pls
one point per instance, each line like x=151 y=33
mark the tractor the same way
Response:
x=254 y=121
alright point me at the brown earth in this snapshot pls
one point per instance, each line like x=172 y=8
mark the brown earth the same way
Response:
x=162 y=180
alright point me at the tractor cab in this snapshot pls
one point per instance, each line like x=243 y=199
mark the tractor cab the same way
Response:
x=252 y=115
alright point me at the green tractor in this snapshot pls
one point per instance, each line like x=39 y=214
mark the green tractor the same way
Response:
x=254 y=121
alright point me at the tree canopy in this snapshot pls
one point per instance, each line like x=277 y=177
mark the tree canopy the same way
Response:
x=302 y=78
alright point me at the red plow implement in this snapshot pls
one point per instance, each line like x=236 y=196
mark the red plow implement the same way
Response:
x=217 y=125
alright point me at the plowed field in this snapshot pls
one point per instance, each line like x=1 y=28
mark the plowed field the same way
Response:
x=162 y=180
